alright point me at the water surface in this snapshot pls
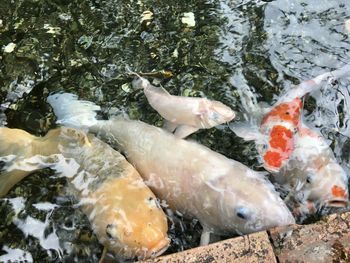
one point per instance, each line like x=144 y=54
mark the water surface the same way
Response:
x=84 y=47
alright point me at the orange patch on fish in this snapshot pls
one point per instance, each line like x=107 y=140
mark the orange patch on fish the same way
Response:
x=289 y=112
x=281 y=138
x=338 y=191
x=273 y=159
x=280 y=146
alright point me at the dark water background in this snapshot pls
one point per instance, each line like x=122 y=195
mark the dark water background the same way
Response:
x=83 y=46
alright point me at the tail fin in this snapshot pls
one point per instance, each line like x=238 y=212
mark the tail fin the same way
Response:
x=73 y=112
x=314 y=84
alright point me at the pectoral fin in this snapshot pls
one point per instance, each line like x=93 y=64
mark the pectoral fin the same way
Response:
x=184 y=130
x=205 y=236
x=246 y=131
x=169 y=126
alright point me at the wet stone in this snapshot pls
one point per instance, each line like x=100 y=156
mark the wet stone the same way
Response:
x=250 y=248
x=325 y=241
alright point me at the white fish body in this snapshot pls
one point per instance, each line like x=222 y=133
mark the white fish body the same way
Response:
x=225 y=195
x=185 y=114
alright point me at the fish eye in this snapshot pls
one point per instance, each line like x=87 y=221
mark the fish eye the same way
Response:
x=242 y=213
x=309 y=178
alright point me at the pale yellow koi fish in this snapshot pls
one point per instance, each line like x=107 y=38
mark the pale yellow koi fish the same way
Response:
x=122 y=210
x=224 y=195
x=185 y=115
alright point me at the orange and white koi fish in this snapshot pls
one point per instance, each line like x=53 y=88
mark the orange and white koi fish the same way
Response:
x=298 y=157
x=185 y=115
x=313 y=162
x=224 y=195
x=122 y=210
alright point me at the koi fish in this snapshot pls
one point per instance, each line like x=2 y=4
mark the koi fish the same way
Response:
x=122 y=210
x=313 y=162
x=184 y=115
x=298 y=157
x=224 y=195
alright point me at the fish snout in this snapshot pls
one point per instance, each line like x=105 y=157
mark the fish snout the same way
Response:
x=154 y=242
x=159 y=248
x=337 y=203
x=338 y=197
x=224 y=111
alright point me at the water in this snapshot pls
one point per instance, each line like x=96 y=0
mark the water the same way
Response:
x=83 y=47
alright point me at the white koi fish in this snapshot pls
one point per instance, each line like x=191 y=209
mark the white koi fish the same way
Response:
x=224 y=195
x=298 y=157
x=122 y=210
x=185 y=115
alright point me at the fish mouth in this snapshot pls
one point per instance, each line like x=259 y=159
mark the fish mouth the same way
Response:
x=158 y=249
x=336 y=203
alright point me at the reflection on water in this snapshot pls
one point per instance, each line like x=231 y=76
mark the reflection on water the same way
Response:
x=236 y=47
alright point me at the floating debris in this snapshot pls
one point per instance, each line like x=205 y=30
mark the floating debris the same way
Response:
x=146 y=17
x=52 y=29
x=65 y=17
x=126 y=87
x=9 y=47
x=163 y=74
x=188 y=19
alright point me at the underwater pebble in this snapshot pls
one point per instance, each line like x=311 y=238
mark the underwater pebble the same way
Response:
x=188 y=19
x=9 y=47
x=1 y=23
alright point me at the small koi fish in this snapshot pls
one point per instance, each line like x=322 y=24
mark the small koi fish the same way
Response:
x=184 y=115
x=122 y=210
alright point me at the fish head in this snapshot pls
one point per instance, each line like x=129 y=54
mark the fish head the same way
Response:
x=254 y=206
x=220 y=112
x=327 y=186
x=130 y=222
x=288 y=112
x=215 y=113
x=149 y=230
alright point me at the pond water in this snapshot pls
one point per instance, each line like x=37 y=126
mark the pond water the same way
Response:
x=85 y=46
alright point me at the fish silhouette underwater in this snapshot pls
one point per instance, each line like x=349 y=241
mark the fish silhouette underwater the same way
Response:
x=298 y=157
x=122 y=210
x=184 y=115
x=224 y=195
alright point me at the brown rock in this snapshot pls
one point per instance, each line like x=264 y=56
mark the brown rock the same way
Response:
x=325 y=241
x=246 y=249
